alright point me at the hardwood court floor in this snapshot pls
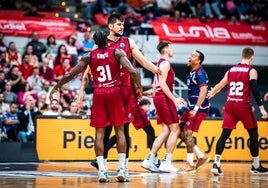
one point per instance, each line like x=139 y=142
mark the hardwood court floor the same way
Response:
x=82 y=175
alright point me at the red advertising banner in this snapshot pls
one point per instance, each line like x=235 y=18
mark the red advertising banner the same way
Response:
x=23 y=27
x=211 y=33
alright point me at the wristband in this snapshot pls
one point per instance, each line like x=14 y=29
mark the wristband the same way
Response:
x=196 y=108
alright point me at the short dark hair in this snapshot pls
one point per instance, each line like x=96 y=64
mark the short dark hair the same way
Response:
x=162 y=45
x=144 y=102
x=201 y=56
x=114 y=17
x=100 y=38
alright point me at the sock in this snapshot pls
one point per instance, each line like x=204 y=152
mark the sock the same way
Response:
x=217 y=160
x=198 y=153
x=105 y=164
x=151 y=157
x=122 y=160
x=167 y=158
x=256 y=162
x=100 y=162
x=190 y=158
x=126 y=164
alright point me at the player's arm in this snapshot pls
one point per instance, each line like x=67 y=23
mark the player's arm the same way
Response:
x=253 y=77
x=202 y=95
x=134 y=73
x=218 y=87
x=83 y=62
x=85 y=80
x=138 y=56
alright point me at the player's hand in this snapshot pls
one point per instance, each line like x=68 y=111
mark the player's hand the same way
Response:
x=52 y=92
x=210 y=93
x=139 y=93
x=158 y=71
x=80 y=98
x=179 y=102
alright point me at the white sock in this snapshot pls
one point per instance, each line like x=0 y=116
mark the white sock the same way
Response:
x=151 y=157
x=256 y=162
x=105 y=164
x=121 y=160
x=100 y=162
x=168 y=158
x=217 y=160
x=190 y=158
x=126 y=164
x=198 y=153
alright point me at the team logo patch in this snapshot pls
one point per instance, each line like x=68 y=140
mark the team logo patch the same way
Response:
x=187 y=123
x=122 y=45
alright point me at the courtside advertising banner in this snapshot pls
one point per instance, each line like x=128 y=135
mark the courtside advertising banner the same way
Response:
x=73 y=139
x=196 y=32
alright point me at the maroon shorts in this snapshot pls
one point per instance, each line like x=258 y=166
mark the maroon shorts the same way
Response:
x=192 y=122
x=235 y=111
x=166 y=112
x=107 y=107
x=127 y=92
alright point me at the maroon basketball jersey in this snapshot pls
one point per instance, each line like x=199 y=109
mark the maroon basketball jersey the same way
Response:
x=123 y=43
x=238 y=83
x=105 y=69
x=169 y=81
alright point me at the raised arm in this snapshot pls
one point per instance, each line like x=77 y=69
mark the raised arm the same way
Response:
x=138 y=56
x=83 y=62
x=134 y=73
x=218 y=87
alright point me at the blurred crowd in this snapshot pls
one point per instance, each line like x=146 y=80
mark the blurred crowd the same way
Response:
x=26 y=80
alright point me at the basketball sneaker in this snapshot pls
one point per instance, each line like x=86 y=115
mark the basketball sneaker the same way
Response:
x=103 y=177
x=121 y=175
x=167 y=167
x=148 y=165
x=260 y=170
x=94 y=164
x=202 y=161
x=187 y=169
x=216 y=170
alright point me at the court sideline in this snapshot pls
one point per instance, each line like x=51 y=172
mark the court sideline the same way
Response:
x=82 y=175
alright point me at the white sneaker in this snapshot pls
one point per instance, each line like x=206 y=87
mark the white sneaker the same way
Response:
x=121 y=176
x=148 y=165
x=167 y=167
x=103 y=177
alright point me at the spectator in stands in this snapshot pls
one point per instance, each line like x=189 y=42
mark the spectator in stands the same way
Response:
x=265 y=96
x=92 y=7
x=13 y=56
x=4 y=107
x=3 y=47
x=41 y=102
x=62 y=69
x=27 y=115
x=52 y=45
x=61 y=54
x=73 y=47
x=215 y=6
x=4 y=65
x=73 y=109
x=132 y=23
x=54 y=109
x=165 y=8
x=64 y=90
x=24 y=92
x=25 y=68
x=119 y=6
x=16 y=78
x=35 y=80
x=51 y=59
x=3 y=81
x=46 y=91
x=9 y=95
x=33 y=59
x=203 y=10
x=38 y=47
x=65 y=101
x=87 y=44
x=11 y=121
x=184 y=9
x=46 y=72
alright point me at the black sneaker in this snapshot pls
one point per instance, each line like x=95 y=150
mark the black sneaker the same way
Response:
x=260 y=170
x=94 y=164
x=216 y=170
